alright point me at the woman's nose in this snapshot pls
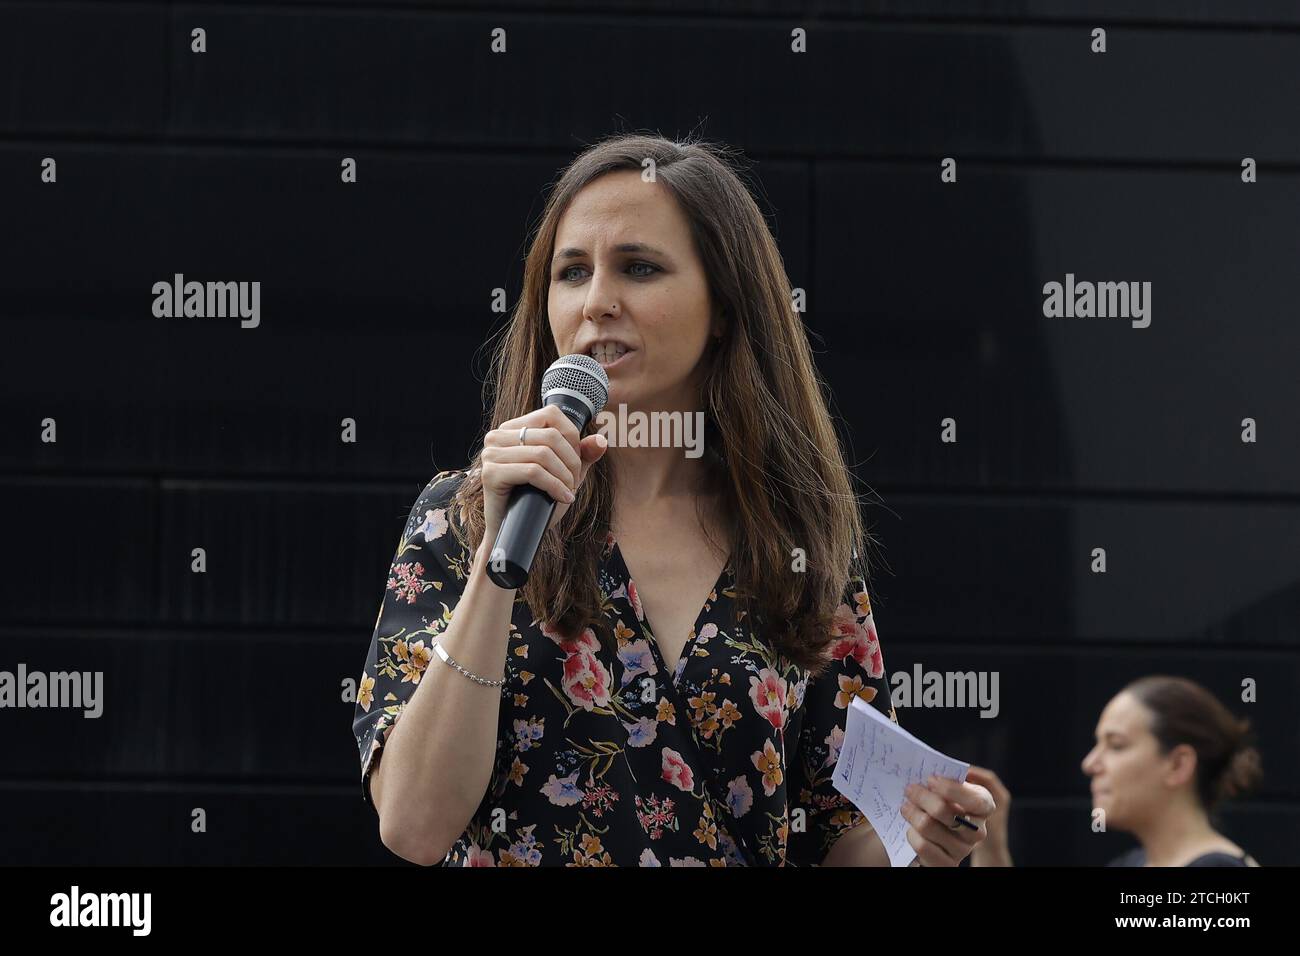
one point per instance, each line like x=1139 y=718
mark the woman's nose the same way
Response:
x=601 y=300
x=1087 y=762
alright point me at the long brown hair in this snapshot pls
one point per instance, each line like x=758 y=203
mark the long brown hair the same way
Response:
x=777 y=461
x=1184 y=712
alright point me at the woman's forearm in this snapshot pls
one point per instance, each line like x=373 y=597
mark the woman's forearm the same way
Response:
x=436 y=765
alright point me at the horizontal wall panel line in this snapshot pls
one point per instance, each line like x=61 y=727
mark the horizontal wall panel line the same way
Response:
x=914 y=644
x=1071 y=646
x=261 y=145
x=1023 y=801
x=190 y=630
x=939 y=19
x=289 y=483
x=226 y=785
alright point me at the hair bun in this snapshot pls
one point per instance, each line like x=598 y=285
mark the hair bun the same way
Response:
x=1244 y=770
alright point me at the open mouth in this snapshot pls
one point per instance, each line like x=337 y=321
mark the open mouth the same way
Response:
x=610 y=355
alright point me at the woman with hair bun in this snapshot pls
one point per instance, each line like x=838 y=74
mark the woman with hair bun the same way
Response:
x=1167 y=755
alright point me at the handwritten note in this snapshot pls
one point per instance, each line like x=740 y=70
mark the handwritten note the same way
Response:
x=878 y=759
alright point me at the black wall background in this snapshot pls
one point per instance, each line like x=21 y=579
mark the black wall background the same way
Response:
x=223 y=690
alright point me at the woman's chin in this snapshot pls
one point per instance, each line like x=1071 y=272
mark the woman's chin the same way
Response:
x=619 y=394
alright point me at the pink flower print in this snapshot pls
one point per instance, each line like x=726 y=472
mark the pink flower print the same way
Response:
x=874 y=655
x=406 y=581
x=858 y=640
x=635 y=599
x=477 y=856
x=584 y=643
x=676 y=772
x=586 y=680
x=767 y=691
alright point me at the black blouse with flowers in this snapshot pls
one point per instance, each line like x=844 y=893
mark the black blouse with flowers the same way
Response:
x=610 y=760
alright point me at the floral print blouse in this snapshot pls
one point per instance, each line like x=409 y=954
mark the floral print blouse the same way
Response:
x=610 y=760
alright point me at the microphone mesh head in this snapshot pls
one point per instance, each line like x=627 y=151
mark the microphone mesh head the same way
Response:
x=578 y=373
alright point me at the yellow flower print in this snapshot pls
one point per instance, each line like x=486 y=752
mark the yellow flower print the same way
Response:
x=768 y=762
x=707 y=832
x=851 y=687
x=365 y=694
x=729 y=713
x=591 y=853
x=517 y=771
x=844 y=817
x=419 y=657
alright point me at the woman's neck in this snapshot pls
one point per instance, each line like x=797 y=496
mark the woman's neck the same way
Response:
x=646 y=477
x=1177 y=835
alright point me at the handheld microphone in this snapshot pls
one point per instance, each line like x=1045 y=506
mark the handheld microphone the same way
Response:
x=580 y=387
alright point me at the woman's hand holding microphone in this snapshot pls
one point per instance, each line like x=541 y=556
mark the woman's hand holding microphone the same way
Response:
x=554 y=458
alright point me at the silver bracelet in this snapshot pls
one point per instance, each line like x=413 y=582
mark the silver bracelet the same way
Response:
x=442 y=652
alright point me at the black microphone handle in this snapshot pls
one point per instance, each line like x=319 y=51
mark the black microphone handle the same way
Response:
x=528 y=515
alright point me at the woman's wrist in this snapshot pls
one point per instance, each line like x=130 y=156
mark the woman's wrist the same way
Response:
x=991 y=854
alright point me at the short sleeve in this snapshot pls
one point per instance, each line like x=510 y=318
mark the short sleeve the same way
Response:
x=857 y=669
x=425 y=580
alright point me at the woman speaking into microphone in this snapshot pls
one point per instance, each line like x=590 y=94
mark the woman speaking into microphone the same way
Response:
x=670 y=685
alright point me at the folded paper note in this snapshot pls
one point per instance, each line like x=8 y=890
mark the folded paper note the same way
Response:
x=878 y=759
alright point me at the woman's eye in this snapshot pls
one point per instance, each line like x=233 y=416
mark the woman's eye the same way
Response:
x=564 y=275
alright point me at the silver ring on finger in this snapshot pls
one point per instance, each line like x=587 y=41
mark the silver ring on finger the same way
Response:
x=523 y=435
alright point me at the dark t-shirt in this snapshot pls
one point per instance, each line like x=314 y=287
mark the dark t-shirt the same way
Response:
x=611 y=758
x=1138 y=857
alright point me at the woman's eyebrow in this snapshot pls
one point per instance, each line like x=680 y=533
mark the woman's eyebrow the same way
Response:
x=574 y=253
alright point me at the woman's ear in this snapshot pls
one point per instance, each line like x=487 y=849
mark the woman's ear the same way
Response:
x=1182 y=765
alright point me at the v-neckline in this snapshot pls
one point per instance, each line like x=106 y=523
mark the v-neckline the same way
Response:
x=688 y=648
